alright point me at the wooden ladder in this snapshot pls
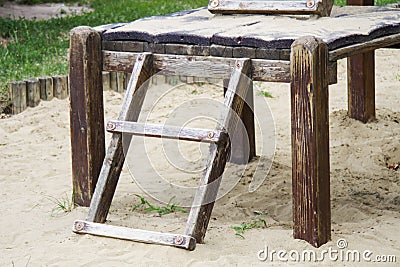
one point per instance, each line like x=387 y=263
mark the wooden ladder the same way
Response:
x=196 y=226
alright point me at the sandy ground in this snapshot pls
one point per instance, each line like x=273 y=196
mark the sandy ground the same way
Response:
x=36 y=167
x=42 y=11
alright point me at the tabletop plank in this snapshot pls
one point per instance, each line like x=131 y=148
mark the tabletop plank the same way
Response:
x=346 y=26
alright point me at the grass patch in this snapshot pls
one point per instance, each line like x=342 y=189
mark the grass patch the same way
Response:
x=252 y=224
x=62 y=205
x=266 y=94
x=171 y=206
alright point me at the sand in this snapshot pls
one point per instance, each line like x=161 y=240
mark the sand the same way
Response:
x=365 y=193
x=41 y=11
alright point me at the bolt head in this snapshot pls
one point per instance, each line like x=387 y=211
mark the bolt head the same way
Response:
x=111 y=126
x=310 y=3
x=79 y=226
x=179 y=240
x=214 y=3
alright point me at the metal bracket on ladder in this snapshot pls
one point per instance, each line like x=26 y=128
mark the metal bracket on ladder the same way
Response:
x=206 y=193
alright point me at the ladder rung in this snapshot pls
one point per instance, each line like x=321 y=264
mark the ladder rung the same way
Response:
x=169 y=132
x=100 y=229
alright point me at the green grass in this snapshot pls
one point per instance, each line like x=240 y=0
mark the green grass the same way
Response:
x=266 y=94
x=62 y=205
x=39 y=48
x=171 y=206
x=252 y=224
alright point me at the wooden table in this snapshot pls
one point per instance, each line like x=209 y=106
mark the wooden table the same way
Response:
x=296 y=49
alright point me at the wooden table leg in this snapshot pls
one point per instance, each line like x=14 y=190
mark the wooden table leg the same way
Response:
x=86 y=112
x=361 y=80
x=310 y=141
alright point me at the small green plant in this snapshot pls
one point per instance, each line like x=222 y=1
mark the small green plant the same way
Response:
x=171 y=207
x=398 y=77
x=63 y=204
x=266 y=94
x=254 y=223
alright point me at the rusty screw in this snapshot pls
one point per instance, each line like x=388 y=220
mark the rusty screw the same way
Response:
x=79 y=226
x=210 y=134
x=111 y=126
x=178 y=240
x=238 y=65
x=310 y=3
x=140 y=58
x=214 y=3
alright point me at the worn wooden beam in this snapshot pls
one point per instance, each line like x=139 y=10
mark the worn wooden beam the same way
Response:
x=163 y=131
x=301 y=7
x=46 y=88
x=361 y=80
x=310 y=141
x=18 y=96
x=86 y=112
x=60 y=85
x=33 y=93
x=364 y=47
x=361 y=86
x=211 y=67
x=206 y=194
x=99 y=229
x=245 y=148
x=114 y=159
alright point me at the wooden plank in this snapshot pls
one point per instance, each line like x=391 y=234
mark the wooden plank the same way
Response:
x=33 y=92
x=106 y=80
x=121 y=82
x=361 y=80
x=245 y=148
x=150 y=237
x=86 y=112
x=18 y=97
x=46 y=88
x=310 y=141
x=113 y=81
x=361 y=86
x=206 y=193
x=114 y=158
x=364 y=47
x=300 y=7
x=346 y=26
x=211 y=67
x=60 y=87
x=163 y=131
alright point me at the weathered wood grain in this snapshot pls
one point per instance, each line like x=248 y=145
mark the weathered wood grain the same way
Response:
x=60 y=87
x=346 y=26
x=361 y=86
x=18 y=96
x=206 y=194
x=364 y=47
x=86 y=113
x=164 y=131
x=300 y=7
x=175 y=240
x=211 y=67
x=114 y=159
x=46 y=88
x=33 y=92
x=361 y=80
x=310 y=141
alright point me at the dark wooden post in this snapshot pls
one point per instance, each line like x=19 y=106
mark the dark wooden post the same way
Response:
x=247 y=117
x=361 y=80
x=86 y=113
x=310 y=141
